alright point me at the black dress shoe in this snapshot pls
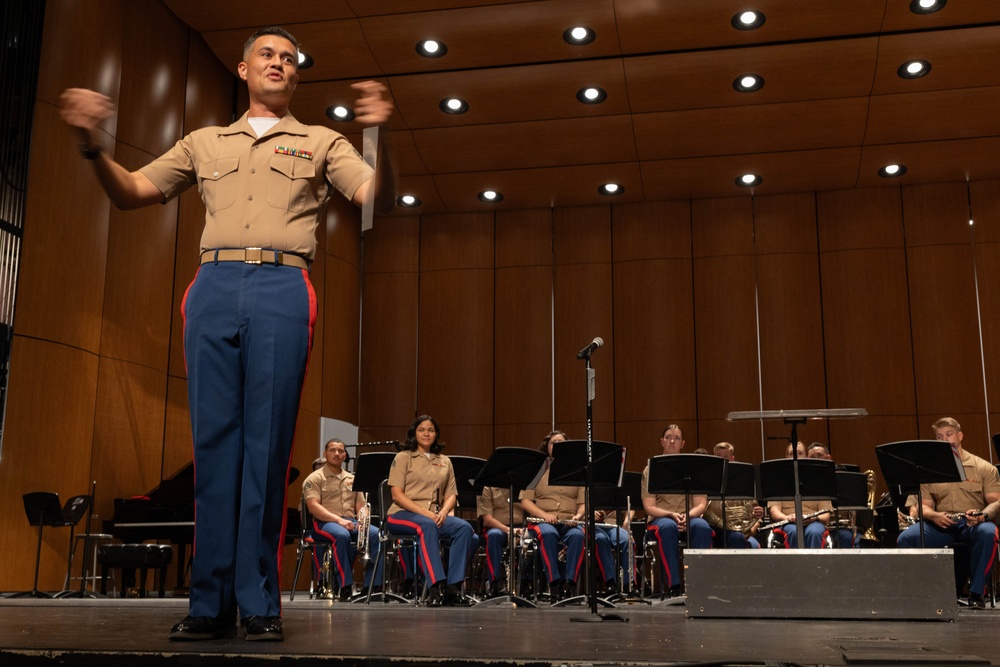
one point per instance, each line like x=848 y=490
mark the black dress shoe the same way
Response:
x=262 y=628
x=346 y=593
x=453 y=597
x=195 y=628
x=976 y=601
x=435 y=595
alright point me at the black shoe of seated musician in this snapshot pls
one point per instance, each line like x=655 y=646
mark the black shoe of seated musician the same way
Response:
x=453 y=596
x=407 y=590
x=435 y=595
x=976 y=601
x=262 y=628
x=196 y=628
x=555 y=591
x=346 y=593
x=675 y=591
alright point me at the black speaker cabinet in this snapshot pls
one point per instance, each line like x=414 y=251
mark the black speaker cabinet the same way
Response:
x=886 y=584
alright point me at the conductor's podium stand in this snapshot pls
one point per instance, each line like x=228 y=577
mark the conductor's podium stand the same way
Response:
x=876 y=584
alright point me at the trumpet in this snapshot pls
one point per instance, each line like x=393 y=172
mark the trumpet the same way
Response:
x=364 y=521
x=325 y=589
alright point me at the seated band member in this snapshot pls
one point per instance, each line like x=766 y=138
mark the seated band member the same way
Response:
x=667 y=518
x=553 y=505
x=748 y=511
x=815 y=515
x=424 y=493
x=334 y=507
x=493 y=507
x=616 y=536
x=843 y=537
x=961 y=512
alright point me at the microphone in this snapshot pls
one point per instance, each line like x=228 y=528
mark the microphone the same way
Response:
x=589 y=350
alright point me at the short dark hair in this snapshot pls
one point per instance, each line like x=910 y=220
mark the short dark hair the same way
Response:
x=675 y=426
x=411 y=435
x=544 y=446
x=270 y=30
x=333 y=440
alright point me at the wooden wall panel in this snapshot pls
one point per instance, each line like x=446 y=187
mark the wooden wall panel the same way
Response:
x=128 y=431
x=61 y=281
x=523 y=327
x=866 y=306
x=178 y=443
x=583 y=310
x=389 y=326
x=653 y=323
x=455 y=322
x=790 y=306
x=49 y=417
x=854 y=440
x=154 y=71
x=341 y=312
x=942 y=290
x=138 y=287
x=985 y=198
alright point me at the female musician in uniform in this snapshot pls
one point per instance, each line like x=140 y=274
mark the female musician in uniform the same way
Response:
x=423 y=493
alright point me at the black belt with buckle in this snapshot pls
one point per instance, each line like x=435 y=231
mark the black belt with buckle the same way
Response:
x=254 y=256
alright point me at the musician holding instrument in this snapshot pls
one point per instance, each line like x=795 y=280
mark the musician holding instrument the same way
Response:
x=743 y=517
x=424 y=493
x=493 y=508
x=961 y=512
x=560 y=510
x=335 y=509
x=815 y=513
x=667 y=518
x=844 y=537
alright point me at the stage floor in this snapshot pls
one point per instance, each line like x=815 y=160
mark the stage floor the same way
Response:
x=113 y=632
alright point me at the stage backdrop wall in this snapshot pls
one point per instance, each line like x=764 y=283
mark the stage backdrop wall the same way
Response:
x=856 y=298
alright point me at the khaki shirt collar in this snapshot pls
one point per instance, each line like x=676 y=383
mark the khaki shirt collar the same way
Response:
x=329 y=472
x=287 y=125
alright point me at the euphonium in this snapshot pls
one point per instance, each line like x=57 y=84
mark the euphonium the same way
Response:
x=364 y=521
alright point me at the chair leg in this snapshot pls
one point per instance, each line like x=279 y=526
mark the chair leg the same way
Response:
x=298 y=568
x=142 y=581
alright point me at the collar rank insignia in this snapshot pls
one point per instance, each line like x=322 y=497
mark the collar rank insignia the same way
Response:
x=294 y=152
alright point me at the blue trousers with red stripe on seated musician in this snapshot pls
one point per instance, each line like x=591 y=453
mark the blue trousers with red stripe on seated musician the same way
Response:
x=666 y=536
x=428 y=535
x=345 y=552
x=549 y=536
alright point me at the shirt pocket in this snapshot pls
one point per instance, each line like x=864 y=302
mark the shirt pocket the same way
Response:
x=217 y=182
x=289 y=183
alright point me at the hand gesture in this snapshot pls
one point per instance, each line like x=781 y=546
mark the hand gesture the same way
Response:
x=85 y=109
x=371 y=108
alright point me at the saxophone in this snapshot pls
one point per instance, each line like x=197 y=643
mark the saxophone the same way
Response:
x=364 y=521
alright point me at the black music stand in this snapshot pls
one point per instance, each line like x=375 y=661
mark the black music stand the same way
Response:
x=515 y=469
x=852 y=495
x=43 y=509
x=740 y=484
x=916 y=462
x=798 y=480
x=466 y=470
x=590 y=464
x=687 y=474
x=370 y=469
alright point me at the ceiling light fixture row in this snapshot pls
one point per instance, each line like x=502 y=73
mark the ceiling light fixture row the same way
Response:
x=927 y=6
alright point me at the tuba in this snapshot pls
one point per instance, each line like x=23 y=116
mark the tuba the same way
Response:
x=364 y=521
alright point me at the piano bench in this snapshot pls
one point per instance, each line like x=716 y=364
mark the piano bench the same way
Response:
x=130 y=557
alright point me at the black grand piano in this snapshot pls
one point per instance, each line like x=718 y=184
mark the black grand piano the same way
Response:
x=167 y=513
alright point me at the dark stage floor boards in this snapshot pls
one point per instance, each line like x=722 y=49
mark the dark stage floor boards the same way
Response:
x=116 y=632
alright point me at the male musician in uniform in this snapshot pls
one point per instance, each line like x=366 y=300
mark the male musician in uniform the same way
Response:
x=667 y=518
x=843 y=537
x=335 y=508
x=961 y=512
x=493 y=507
x=816 y=513
x=735 y=539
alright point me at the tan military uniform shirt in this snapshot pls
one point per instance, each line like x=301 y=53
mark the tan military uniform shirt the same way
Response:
x=981 y=478
x=266 y=192
x=671 y=502
x=495 y=502
x=335 y=492
x=426 y=480
x=559 y=500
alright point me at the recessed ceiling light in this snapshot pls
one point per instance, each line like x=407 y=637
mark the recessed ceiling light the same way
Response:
x=913 y=69
x=579 y=35
x=611 y=189
x=305 y=60
x=339 y=113
x=748 y=20
x=892 y=170
x=926 y=6
x=431 y=48
x=490 y=196
x=455 y=105
x=408 y=201
x=591 y=95
x=749 y=180
x=748 y=83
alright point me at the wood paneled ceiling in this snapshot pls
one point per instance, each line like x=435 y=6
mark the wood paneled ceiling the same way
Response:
x=832 y=111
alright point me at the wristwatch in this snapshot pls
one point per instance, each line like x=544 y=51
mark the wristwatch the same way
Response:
x=90 y=153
